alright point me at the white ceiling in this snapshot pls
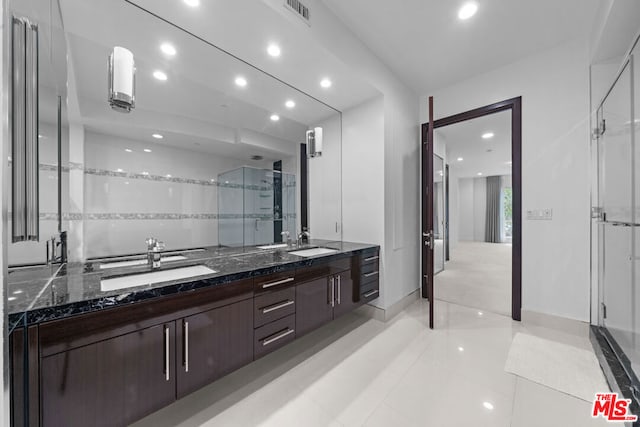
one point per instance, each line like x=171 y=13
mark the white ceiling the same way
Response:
x=464 y=140
x=425 y=43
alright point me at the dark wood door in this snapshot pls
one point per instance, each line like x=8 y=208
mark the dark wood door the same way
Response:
x=314 y=305
x=213 y=344
x=344 y=294
x=109 y=383
x=428 y=237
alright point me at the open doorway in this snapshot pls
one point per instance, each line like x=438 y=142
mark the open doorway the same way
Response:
x=479 y=201
x=472 y=201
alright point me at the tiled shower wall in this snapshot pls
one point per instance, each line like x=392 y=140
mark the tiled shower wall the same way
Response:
x=168 y=193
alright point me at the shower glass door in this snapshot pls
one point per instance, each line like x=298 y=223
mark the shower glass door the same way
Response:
x=619 y=292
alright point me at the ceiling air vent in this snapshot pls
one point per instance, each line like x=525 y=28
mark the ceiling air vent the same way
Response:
x=300 y=9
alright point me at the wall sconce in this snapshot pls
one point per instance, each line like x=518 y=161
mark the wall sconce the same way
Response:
x=314 y=142
x=122 y=80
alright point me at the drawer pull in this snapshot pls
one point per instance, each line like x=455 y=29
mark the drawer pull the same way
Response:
x=277 y=337
x=371 y=258
x=277 y=306
x=373 y=292
x=279 y=282
x=167 y=347
x=373 y=273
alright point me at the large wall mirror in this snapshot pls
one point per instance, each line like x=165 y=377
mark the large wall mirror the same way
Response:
x=209 y=156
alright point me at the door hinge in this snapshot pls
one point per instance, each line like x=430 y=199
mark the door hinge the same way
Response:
x=598 y=213
x=604 y=310
x=599 y=131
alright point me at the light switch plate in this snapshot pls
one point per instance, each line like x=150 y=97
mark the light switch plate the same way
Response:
x=539 y=214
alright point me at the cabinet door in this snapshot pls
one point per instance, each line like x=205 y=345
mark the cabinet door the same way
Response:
x=213 y=344
x=314 y=308
x=344 y=294
x=111 y=382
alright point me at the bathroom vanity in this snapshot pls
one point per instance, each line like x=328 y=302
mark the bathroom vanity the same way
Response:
x=85 y=356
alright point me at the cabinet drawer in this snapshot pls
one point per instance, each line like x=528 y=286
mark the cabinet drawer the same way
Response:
x=368 y=286
x=272 y=306
x=370 y=295
x=369 y=270
x=369 y=258
x=273 y=335
x=274 y=281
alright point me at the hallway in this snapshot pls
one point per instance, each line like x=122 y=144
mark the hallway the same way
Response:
x=478 y=275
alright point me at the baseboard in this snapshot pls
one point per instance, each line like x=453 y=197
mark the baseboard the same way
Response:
x=562 y=324
x=384 y=315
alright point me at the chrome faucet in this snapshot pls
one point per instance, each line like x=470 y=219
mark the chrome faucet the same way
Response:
x=304 y=236
x=154 y=252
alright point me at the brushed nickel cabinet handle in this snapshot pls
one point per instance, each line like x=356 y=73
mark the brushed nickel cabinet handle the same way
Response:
x=279 y=282
x=333 y=291
x=339 y=288
x=31 y=135
x=185 y=332
x=373 y=273
x=371 y=258
x=166 y=353
x=277 y=306
x=373 y=292
x=277 y=337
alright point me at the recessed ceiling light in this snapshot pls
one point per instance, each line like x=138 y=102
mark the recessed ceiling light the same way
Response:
x=273 y=50
x=146 y=150
x=241 y=81
x=480 y=313
x=157 y=136
x=192 y=3
x=325 y=83
x=479 y=173
x=487 y=135
x=168 y=175
x=274 y=117
x=168 y=49
x=467 y=10
x=289 y=104
x=488 y=405
x=160 y=75
x=460 y=159
x=128 y=150
x=461 y=349
x=120 y=170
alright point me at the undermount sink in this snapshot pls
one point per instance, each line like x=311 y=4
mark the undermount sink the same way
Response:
x=274 y=246
x=150 y=278
x=132 y=263
x=313 y=252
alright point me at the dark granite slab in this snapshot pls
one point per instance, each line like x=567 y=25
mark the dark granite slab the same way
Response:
x=41 y=294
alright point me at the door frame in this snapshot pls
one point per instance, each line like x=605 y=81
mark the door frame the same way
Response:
x=515 y=105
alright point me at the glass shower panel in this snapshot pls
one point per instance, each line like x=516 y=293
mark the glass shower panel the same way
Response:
x=231 y=208
x=258 y=206
x=438 y=213
x=618 y=287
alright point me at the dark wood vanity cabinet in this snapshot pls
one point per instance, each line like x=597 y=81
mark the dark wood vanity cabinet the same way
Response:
x=115 y=366
x=325 y=298
x=212 y=344
x=110 y=382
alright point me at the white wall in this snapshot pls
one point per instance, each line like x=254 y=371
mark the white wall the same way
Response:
x=400 y=251
x=555 y=156
x=363 y=168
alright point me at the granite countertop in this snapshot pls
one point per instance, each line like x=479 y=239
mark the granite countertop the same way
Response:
x=41 y=294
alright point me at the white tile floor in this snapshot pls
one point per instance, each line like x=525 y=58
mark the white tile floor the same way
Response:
x=361 y=372
x=477 y=275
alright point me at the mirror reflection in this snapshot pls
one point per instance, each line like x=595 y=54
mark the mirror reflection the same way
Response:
x=210 y=154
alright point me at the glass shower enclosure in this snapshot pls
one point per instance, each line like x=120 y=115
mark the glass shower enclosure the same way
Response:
x=617 y=216
x=255 y=206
